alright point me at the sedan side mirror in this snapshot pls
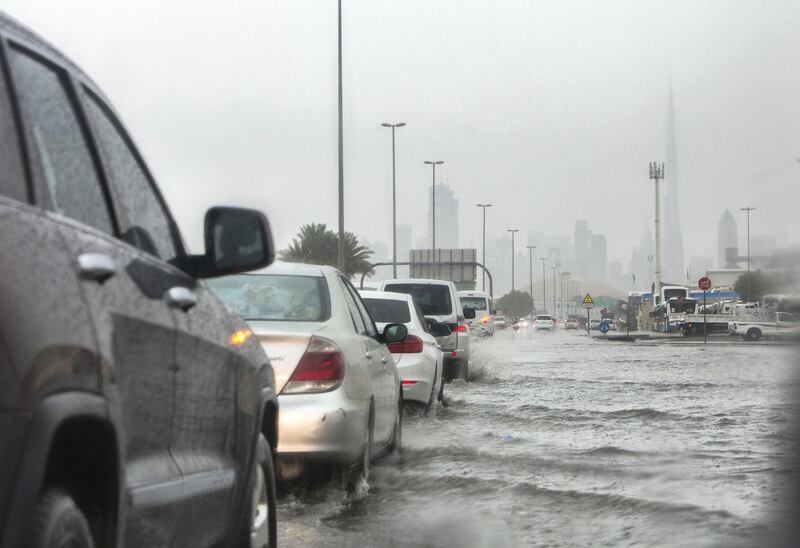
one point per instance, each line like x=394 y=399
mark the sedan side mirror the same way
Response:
x=440 y=330
x=469 y=313
x=237 y=240
x=394 y=333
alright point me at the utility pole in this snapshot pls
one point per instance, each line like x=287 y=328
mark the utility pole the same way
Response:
x=394 y=201
x=544 y=282
x=561 y=308
x=433 y=221
x=748 y=210
x=512 y=231
x=657 y=174
x=484 y=206
x=650 y=265
x=340 y=252
x=530 y=269
x=555 y=310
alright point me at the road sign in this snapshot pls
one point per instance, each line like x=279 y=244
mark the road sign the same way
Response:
x=604 y=328
x=704 y=283
x=588 y=302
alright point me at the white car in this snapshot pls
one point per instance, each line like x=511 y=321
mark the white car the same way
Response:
x=419 y=358
x=483 y=323
x=544 y=322
x=339 y=392
x=439 y=302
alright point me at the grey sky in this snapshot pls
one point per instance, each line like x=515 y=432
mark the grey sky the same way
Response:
x=549 y=110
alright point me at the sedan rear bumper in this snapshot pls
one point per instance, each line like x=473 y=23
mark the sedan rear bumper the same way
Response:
x=416 y=369
x=327 y=428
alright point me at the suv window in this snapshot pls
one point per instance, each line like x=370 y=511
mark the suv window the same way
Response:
x=144 y=222
x=433 y=299
x=12 y=177
x=64 y=174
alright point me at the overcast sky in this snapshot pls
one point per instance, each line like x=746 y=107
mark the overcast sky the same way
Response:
x=549 y=110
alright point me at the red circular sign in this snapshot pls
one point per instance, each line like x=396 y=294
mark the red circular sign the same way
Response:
x=704 y=283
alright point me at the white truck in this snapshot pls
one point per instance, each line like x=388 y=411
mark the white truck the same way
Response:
x=755 y=323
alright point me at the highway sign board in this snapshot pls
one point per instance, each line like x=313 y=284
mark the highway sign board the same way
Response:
x=588 y=302
x=704 y=283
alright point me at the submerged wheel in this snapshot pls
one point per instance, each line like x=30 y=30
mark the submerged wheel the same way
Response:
x=753 y=334
x=397 y=436
x=60 y=523
x=261 y=519
x=463 y=370
x=360 y=473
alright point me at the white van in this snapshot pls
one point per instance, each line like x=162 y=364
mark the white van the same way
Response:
x=483 y=305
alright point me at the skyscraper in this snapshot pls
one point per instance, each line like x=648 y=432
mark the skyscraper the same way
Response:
x=446 y=217
x=727 y=238
x=672 y=240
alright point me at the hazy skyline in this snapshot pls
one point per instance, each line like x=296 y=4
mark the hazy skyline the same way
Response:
x=551 y=111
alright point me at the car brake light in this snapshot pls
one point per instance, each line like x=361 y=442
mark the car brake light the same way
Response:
x=409 y=382
x=321 y=369
x=412 y=345
x=461 y=328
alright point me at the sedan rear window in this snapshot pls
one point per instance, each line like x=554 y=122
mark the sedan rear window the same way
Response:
x=387 y=310
x=542 y=317
x=432 y=299
x=275 y=297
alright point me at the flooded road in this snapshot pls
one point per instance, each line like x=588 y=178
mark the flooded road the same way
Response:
x=559 y=440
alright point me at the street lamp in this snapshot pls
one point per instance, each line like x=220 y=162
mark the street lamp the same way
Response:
x=340 y=258
x=433 y=212
x=484 y=206
x=555 y=267
x=544 y=283
x=561 y=308
x=530 y=269
x=394 y=200
x=657 y=174
x=512 y=231
x=650 y=264
x=748 y=210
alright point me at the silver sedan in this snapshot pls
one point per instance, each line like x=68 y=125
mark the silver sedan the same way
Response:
x=340 y=395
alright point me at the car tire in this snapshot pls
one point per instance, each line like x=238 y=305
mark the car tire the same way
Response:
x=260 y=521
x=753 y=334
x=360 y=473
x=60 y=523
x=396 y=446
x=463 y=370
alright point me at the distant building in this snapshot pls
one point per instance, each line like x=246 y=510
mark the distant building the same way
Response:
x=590 y=254
x=727 y=240
x=598 y=253
x=446 y=217
x=672 y=259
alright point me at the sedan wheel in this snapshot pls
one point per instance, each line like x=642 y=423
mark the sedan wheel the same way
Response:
x=397 y=436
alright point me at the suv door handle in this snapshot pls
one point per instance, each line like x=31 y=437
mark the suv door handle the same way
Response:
x=181 y=297
x=96 y=266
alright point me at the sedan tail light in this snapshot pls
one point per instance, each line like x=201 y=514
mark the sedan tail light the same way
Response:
x=412 y=345
x=321 y=369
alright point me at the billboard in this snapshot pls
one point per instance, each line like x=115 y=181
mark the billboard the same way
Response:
x=455 y=265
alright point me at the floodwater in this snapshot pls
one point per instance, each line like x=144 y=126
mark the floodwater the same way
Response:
x=559 y=440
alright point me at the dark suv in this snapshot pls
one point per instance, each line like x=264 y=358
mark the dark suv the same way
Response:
x=134 y=409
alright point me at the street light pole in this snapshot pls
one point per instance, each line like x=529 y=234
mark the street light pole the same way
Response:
x=555 y=267
x=394 y=200
x=484 y=206
x=657 y=174
x=433 y=221
x=512 y=231
x=340 y=251
x=748 y=210
x=561 y=308
x=544 y=283
x=530 y=269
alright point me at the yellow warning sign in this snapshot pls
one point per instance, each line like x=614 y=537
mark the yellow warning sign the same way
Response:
x=588 y=302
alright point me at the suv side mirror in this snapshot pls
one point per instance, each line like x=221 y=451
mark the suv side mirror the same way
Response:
x=237 y=240
x=439 y=330
x=469 y=313
x=394 y=333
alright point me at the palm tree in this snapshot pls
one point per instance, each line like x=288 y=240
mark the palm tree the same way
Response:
x=316 y=244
